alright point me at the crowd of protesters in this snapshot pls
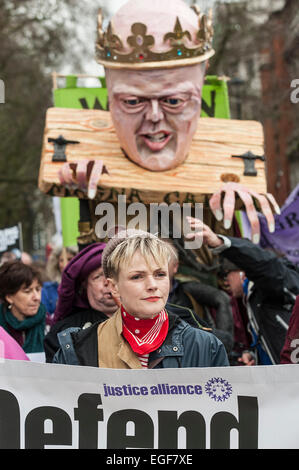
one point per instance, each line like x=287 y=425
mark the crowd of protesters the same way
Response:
x=122 y=304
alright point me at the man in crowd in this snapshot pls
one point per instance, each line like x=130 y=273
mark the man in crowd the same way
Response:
x=273 y=283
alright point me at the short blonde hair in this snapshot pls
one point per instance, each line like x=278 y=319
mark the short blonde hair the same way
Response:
x=150 y=246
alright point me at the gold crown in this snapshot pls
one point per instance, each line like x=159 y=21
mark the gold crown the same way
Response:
x=111 y=53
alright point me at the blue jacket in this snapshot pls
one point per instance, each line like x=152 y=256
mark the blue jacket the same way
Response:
x=50 y=296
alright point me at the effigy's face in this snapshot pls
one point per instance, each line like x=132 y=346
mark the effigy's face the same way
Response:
x=155 y=113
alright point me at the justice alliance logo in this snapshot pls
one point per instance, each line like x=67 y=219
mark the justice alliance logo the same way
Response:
x=218 y=389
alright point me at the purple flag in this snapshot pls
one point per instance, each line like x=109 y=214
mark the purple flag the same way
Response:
x=285 y=239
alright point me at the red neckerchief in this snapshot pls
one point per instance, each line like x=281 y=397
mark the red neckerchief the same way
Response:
x=144 y=335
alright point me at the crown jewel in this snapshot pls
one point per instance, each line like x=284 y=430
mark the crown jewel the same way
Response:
x=110 y=50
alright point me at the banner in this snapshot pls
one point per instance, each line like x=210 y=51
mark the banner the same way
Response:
x=10 y=238
x=49 y=406
x=285 y=239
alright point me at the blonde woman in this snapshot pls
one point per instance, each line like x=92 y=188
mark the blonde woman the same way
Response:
x=145 y=332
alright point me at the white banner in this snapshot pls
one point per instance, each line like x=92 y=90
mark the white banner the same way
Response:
x=56 y=406
x=11 y=237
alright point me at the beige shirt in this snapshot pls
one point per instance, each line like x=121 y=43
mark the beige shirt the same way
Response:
x=114 y=352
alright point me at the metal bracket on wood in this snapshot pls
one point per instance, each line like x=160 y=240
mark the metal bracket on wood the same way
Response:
x=249 y=162
x=60 y=144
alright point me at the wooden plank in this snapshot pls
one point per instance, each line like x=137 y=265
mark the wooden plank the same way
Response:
x=208 y=164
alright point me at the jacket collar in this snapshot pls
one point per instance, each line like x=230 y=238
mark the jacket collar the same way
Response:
x=173 y=345
x=124 y=351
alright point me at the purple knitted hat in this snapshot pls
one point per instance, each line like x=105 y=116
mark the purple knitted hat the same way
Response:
x=76 y=271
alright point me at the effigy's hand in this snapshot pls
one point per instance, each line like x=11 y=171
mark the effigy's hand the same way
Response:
x=83 y=175
x=266 y=203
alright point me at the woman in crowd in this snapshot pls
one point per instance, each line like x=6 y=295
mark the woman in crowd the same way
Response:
x=142 y=333
x=84 y=297
x=21 y=313
x=58 y=259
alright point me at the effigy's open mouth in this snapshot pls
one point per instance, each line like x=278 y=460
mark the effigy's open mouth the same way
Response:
x=157 y=141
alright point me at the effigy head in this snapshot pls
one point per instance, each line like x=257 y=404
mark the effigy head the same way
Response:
x=154 y=60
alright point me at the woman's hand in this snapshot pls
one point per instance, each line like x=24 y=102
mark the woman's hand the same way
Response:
x=203 y=232
x=247 y=359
